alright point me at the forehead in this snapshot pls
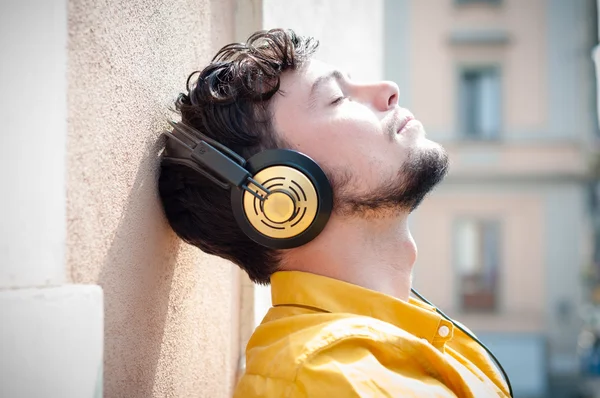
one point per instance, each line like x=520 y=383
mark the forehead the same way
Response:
x=315 y=68
x=297 y=84
x=290 y=107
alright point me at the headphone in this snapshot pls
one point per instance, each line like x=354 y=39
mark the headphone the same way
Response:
x=280 y=198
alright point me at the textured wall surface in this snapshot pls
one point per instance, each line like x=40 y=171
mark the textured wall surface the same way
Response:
x=171 y=312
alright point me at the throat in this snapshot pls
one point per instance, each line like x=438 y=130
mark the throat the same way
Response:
x=378 y=258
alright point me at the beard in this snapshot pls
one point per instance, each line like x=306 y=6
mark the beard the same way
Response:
x=421 y=172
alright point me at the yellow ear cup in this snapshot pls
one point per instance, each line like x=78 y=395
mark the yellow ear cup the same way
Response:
x=289 y=209
x=279 y=207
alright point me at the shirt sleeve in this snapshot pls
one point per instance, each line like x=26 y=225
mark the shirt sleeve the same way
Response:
x=349 y=369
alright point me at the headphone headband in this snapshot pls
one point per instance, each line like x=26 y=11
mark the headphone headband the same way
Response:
x=201 y=153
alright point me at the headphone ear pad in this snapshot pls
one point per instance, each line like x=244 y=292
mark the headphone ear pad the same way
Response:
x=309 y=194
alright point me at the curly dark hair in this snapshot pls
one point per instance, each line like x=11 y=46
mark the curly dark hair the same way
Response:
x=229 y=102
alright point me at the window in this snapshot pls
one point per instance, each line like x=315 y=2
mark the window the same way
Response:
x=477 y=252
x=480 y=103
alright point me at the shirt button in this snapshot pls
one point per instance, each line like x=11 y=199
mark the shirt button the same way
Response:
x=444 y=331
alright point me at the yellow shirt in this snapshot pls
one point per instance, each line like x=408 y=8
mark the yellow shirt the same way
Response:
x=327 y=338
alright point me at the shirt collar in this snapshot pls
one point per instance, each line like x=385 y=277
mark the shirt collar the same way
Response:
x=335 y=296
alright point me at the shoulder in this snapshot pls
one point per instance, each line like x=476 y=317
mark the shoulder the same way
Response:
x=354 y=332
x=362 y=356
x=340 y=356
x=305 y=337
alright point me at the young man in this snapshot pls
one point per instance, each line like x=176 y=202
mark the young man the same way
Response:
x=342 y=323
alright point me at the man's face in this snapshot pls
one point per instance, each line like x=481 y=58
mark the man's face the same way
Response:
x=375 y=152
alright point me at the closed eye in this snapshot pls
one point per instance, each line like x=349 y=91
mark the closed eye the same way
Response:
x=338 y=100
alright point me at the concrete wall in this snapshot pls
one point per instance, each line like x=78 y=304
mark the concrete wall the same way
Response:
x=50 y=332
x=97 y=295
x=34 y=116
x=171 y=312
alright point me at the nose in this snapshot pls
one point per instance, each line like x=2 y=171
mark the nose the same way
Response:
x=382 y=95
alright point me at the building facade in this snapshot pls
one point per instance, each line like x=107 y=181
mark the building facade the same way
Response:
x=507 y=87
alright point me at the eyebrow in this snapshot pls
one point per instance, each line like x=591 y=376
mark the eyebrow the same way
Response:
x=321 y=81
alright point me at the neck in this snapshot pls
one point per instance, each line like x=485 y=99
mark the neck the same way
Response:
x=375 y=253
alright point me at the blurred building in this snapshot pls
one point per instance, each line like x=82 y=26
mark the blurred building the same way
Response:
x=507 y=86
x=589 y=341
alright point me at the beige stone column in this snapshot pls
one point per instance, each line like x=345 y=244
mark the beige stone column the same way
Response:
x=50 y=329
x=171 y=312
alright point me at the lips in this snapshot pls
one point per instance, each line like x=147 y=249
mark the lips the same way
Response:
x=403 y=122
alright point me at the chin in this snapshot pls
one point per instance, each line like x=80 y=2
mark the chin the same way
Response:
x=415 y=131
x=422 y=141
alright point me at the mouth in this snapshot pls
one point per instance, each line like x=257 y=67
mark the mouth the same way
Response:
x=404 y=122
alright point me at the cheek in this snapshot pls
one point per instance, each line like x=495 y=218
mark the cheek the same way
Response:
x=340 y=142
x=367 y=161
x=351 y=141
